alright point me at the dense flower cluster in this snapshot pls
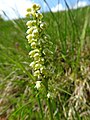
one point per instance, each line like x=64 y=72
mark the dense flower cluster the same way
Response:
x=38 y=41
x=33 y=38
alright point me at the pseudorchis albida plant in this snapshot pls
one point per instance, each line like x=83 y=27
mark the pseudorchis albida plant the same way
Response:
x=40 y=53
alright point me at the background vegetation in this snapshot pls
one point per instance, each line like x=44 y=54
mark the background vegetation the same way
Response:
x=70 y=84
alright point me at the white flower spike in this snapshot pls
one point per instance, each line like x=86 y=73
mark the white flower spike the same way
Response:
x=36 y=27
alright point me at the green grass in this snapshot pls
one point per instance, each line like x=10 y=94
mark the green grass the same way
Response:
x=69 y=86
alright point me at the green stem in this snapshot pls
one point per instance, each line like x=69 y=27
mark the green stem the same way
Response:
x=50 y=109
x=40 y=107
x=49 y=101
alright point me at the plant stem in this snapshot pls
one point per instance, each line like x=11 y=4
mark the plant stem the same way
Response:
x=40 y=107
x=49 y=101
x=50 y=109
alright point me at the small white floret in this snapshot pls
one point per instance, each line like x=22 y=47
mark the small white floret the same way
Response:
x=32 y=64
x=38 y=84
x=48 y=95
x=37 y=73
x=33 y=45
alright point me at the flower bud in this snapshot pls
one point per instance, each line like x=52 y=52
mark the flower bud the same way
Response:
x=36 y=7
x=29 y=37
x=29 y=9
x=37 y=73
x=35 y=33
x=33 y=45
x=32 y=53
x=28 y=14
x=30 y=23
x=39 y=15
x=43 y=25
x=29 y=31
x=36 y=55
x=43 y=70
x=38 y=66
x=32 y=64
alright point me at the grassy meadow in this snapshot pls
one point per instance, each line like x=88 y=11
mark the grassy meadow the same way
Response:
x=69 y=86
